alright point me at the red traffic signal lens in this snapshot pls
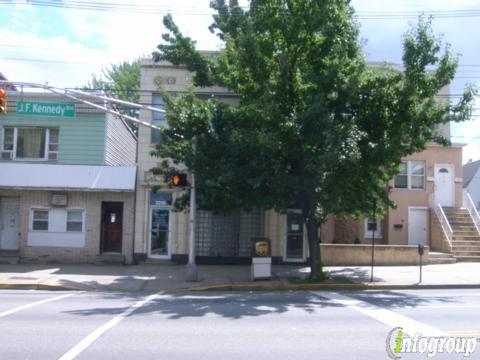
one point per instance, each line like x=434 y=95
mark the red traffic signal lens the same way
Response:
x=179 y=180
x=176 y=180
x=3 y=101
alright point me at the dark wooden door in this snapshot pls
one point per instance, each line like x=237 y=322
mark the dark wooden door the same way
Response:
x=112 y=226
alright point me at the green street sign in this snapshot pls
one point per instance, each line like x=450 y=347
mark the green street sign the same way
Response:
x=46 y=109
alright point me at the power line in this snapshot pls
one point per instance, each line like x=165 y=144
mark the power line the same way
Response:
x=163 y=9
x=92 y=63
x=50 y=61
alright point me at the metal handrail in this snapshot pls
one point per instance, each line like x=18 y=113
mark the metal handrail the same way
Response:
x=470 y=206
x=447 y=229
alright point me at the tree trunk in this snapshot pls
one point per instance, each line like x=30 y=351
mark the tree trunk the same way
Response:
x=316 y=271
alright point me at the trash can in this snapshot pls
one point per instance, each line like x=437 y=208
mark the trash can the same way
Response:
x=261 y=259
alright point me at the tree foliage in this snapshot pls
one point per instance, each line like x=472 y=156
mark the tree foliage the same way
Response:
x=316 y=128
x=121 y=81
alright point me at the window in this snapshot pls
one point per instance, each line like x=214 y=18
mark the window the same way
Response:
x=401 y=180
x=30 y=143
x=161 y=198
x=58 y=220
x=158 y=118
x=8 y=139
x=53 y=137
x=40 y=220
x=411 y=175
x=75 y=220
x=373 y=228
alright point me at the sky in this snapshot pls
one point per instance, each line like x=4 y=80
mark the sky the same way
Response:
x=51 y=41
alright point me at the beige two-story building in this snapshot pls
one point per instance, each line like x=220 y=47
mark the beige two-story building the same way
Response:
x=427 y=190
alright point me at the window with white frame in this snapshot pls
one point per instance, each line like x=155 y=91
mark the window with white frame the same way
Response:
x=75 y=220
x=158 y=118
x=411 y=175
x=53 y=144
x=57 y=220
x=30 y=143
x=40 y=219
x=373 y=228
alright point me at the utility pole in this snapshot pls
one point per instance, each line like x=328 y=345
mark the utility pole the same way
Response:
x=373 y=239
x=191 y=273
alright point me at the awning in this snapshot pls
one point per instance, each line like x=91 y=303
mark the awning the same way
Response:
x=67 y=177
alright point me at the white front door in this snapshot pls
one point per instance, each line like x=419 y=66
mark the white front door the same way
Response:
x=417 y=225
x=445 y=185
x=9 y=223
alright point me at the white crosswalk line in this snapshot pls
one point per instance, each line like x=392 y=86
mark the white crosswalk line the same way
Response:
x=388 y=317
x=87 y=341
x=27 y=306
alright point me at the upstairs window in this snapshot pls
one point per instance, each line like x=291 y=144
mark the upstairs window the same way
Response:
x=411 y=175
x=30 y=143
x=53 y=143
x=158 y=118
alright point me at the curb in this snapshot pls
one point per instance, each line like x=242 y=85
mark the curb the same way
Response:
x=33 y=286
x=339 y=287
x=249 y=286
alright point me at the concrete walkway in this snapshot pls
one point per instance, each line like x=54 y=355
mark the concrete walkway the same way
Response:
x=167 y=277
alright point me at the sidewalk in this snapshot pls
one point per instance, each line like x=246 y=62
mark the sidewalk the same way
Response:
x=166 y=277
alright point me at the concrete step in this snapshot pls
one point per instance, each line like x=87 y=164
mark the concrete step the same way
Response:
x=461 y=222
x=455 y=210
x=461 y=252
x=468 y=258
x=153 y=261
x=470 y=224
x=466 y=237
x=469 y=228
x=455 y=216
x=466 y=233
x=12 y=260
x=465 y=243
x=109 y=259
x=441 y=258
x=456 y=247
x=9 y=256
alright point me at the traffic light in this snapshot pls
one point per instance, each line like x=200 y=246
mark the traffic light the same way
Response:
x=3 y=101
x=179 y=180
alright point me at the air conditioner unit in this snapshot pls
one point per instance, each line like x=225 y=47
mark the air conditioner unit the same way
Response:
x=59 y=199
x=7 y=155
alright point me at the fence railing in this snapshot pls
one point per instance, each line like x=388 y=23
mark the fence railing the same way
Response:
x=470 y=206
x=447 y=229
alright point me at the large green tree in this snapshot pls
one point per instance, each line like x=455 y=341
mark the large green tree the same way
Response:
x=120 y=81
x=316 y=128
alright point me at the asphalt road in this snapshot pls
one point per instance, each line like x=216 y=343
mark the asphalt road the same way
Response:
x=288 y=325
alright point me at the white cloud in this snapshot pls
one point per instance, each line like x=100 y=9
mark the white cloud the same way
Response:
x=29 y=58
x=95 y=39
